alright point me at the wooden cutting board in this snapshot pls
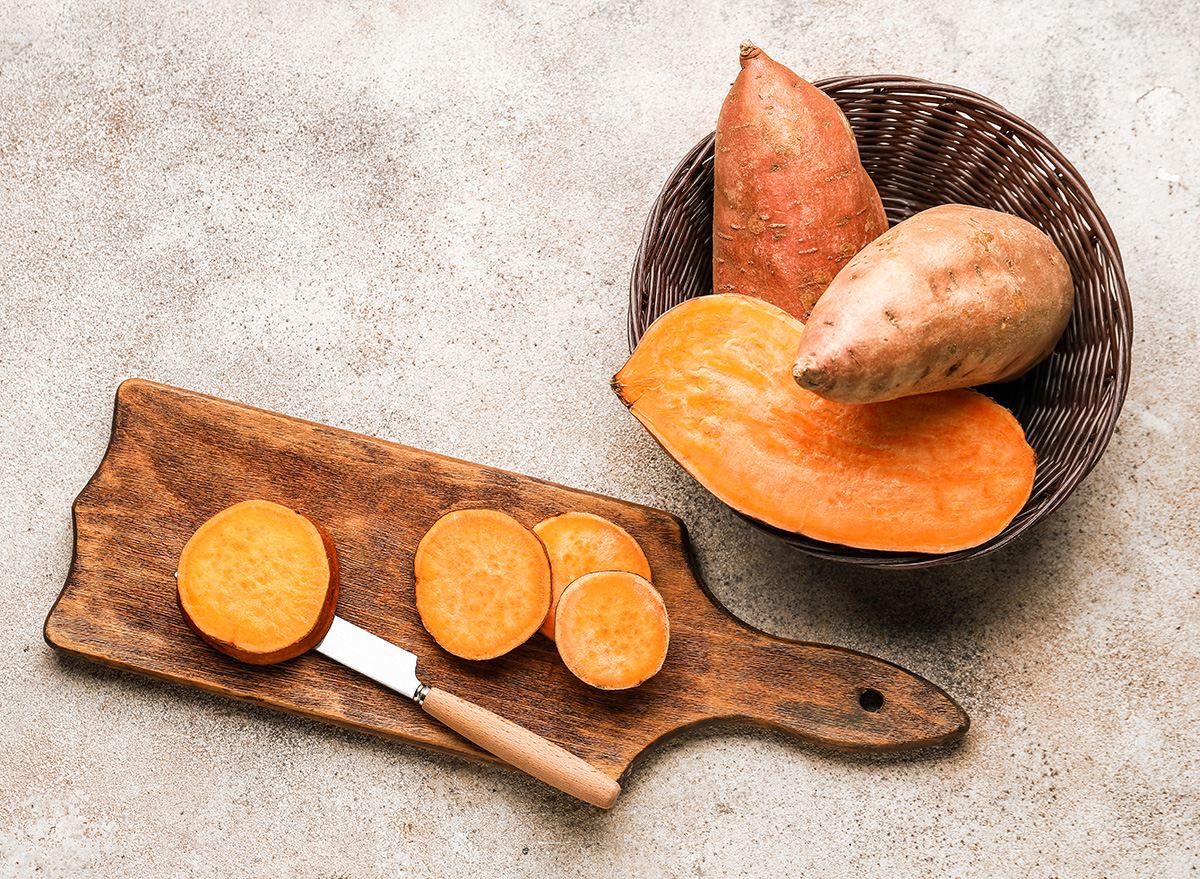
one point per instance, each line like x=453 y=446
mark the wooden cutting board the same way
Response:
x=176 y=457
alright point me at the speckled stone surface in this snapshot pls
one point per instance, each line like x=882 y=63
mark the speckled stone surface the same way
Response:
x=416 y=221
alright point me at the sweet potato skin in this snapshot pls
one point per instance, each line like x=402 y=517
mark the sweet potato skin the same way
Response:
x=792 y=202
x=936 y=473
x=955 y=296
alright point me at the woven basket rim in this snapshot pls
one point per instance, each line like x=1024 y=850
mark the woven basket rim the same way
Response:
x=892 y=83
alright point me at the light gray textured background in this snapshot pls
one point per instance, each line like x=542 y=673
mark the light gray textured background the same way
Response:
x=416 y=221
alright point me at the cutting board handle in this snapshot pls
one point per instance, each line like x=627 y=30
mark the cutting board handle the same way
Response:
x=831 y=696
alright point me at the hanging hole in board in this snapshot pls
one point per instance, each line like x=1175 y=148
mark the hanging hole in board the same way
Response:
x=870 y=700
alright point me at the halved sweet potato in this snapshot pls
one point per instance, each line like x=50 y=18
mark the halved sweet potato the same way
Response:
x=712 y=382
x=482 y=583
x=613 y=630
x=259 y=582
x=580 y=543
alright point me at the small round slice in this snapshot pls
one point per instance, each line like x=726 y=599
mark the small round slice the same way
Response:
x=259 y=582
x=580 y=543
x=612 y=629
x=482 y=583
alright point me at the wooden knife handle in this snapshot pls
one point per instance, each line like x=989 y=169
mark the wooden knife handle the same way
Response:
x=523 y=749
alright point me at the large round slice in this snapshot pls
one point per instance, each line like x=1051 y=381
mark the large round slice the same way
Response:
x=482 y=583
x=612 y=629
x=259 y=582
x=579 y=543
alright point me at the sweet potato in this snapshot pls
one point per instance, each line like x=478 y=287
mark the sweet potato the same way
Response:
x=259 y=582
x=580 y=543
x=482 y=583
x=711 y=380
x=613 y=630
x=792 y=202
x=953 y=297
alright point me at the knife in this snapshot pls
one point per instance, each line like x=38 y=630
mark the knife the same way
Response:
x=396 y=668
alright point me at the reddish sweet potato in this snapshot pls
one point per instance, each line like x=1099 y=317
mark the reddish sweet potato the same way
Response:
x=483 y=583
x=953 y=297
x=259 y=582
x=792 y=202
x=613 y=629
x=711 y=380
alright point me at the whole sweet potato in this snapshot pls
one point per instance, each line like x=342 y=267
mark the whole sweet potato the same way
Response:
x=792 y=202
x=953 y=297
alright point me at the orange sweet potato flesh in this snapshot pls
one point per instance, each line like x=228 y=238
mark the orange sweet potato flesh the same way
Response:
x=580 y=543
x=482 y=583
x=613 y=630
x=711 y=380
x=792 y=202
x=259 y=582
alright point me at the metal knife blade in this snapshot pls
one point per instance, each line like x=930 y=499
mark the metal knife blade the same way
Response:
x=372 y=656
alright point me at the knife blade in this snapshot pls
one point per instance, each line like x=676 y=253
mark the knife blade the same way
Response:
x=394 y=667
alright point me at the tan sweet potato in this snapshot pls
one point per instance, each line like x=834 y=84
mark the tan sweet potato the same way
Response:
x=482 y=583
x=953 y=297
x=259 y=582
x=711 y=380
x=792 y=202
x=579 y=543
x=613 y=629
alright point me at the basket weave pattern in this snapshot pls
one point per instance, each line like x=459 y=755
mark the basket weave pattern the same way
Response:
x=926 y=144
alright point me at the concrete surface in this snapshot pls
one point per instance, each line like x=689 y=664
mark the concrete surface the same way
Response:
x=416 y=221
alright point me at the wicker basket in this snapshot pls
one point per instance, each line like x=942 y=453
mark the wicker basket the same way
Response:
x=926 y=144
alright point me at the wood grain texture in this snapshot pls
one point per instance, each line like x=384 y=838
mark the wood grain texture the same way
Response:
x=177 y=457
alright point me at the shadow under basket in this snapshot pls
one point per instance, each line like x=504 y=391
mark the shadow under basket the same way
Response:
x=926 y=144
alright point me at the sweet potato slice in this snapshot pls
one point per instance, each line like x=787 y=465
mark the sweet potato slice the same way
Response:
x=712 y=381
x=613 y=630
x=579 y=543
x=483 y=583
x=259 y=582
